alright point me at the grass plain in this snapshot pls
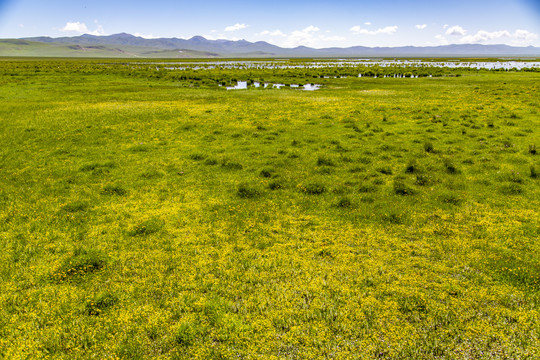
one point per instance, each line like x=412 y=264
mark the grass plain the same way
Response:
x=376 y=218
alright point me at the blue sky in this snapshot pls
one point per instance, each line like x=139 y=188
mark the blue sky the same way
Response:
x=287 y=23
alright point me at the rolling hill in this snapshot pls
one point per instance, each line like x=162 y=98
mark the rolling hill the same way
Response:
x=125 y=45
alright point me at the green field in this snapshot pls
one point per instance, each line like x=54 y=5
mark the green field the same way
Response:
x=22 y=48
x=148 y=214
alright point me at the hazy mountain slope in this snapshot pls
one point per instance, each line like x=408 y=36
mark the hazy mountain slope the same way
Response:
x=126 y=45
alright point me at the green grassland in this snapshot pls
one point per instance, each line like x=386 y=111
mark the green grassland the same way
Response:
x=151 y=216
x=18 y=48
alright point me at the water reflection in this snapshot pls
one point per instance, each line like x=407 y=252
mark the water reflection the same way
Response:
x=243 y=85
x=286 y=64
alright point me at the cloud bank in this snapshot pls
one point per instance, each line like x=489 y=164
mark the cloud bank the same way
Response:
x=236 y=27
x=518 y=37
x=388 y=30
x=81 y=28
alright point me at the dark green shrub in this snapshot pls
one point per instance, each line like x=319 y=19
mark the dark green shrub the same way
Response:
x=80 y=263
x=385 y=170
x=97 y=166
x=423 y=180
x=324 y=161
x=113 y=190
x=344 y=202
x=197 y=157
x=186 y=334
x=367 y=188
x=139 y=148
x=411 y=167
x=210 y=161
x=401 y=189
x=231 y=165
x=76 y=206
x=266 y=173
x=534 y=172
x=313 y=188
x=450 y=166
x=511 y=189
x=246 y=191
x=100 y=303
x=147 y=227
x=450 y=198
x=275 y=185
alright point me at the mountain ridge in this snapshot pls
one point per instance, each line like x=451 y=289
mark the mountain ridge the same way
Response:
x=243 y=48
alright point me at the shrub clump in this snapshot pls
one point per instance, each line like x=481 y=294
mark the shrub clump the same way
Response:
x=76 y=206
x=428 y=147
x=80 y=263
x=324 y=161
x=511 y=189
x=231 y=165
x=113 y=190
x=247 y=192
x=423 y=180
x=210 y=161
x=275 y=185
x=367 y=188
x=450 y=166
x=401 y=189
x=534 y=172
x=449 y=198
x=412 y=167
x=313 y=188
x=266 y=173
x=385 y=170
x=197 y=157
x=344 y=203
x=103 y=301
x=186 y=334
x=147 y=227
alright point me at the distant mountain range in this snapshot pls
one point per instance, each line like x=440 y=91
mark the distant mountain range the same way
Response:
x=126 y=45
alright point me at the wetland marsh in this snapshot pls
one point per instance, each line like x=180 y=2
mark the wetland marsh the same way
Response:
x=149 y=213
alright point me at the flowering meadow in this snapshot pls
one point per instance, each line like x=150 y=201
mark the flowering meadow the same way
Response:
x=149 y=214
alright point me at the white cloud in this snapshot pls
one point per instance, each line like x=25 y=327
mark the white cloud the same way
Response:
x=236 y=27
x=442 y=40
x=357 y=30
x=75 y=27
x=518 y=37
x=221 y=37
x=21 y=25
x=81 y=28
x=446 y=26
x=304 y=37
x=483 y=36
x=271 y=33
x=310 y=36
x=333 y=38
x=525 y=36
x=367 y=23
x=421 y=27
x=456 y=30
x=311 y=28
x=146 y=36
x=98 y=31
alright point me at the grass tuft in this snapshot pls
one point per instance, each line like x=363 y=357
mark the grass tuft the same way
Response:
x=80 y=263
x=147 y=227
x=313 y=188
